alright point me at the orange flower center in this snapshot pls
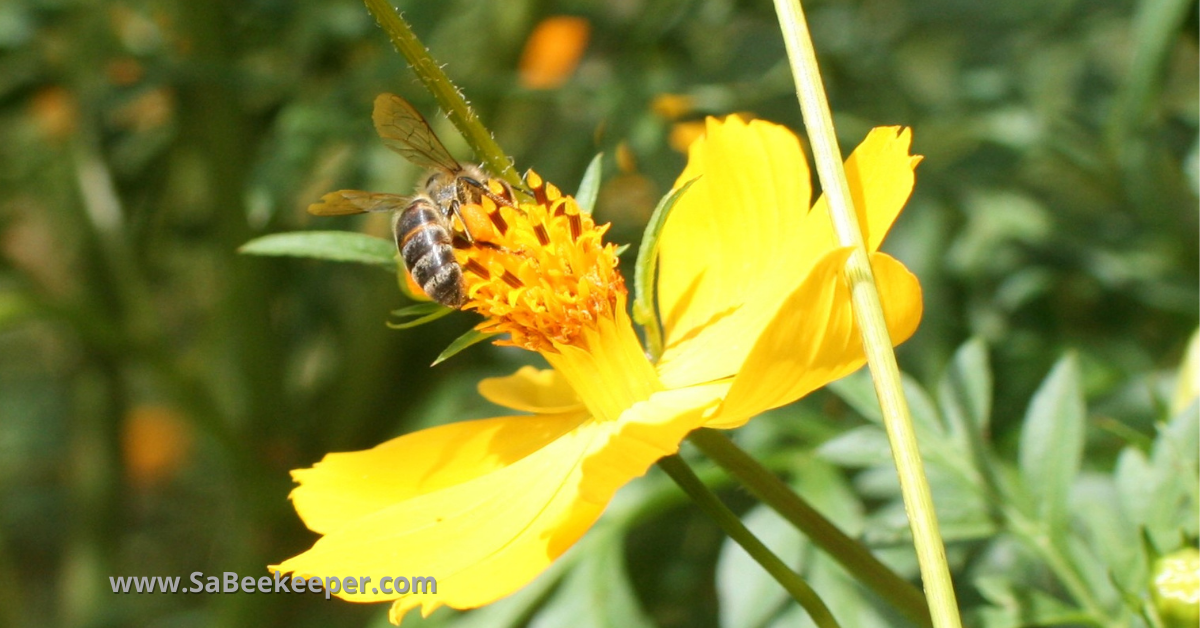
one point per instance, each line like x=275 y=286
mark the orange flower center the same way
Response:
x=539 y=271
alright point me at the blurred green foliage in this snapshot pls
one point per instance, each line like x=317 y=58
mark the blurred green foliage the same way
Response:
x=156 y=386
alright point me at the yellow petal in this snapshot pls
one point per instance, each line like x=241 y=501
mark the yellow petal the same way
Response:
x=480 y=539
x=344 y=487
x=880 y=175
x=646 y=432
x=485 y=538
x=813 y=340
x=541 y=391
x=715 y=300
x=728 y=240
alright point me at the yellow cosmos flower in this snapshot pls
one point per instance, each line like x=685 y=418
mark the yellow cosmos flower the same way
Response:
x=755 y=315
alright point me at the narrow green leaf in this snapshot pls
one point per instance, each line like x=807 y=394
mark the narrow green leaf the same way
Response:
x=748 y=595
x=418 y=309
x=1164 y=494
x=926 y=418
x=1104 y=526
x=462 y=342
x=846 y=597
x=965 y=399
x=1020 y=606
x=621 y=249
x=965 y=393
x=597 y=592
x=1051 y=445
x=858 y=391
x=860 y=447
x=644 y=311
x=338 y=246
x=589 y=186
x=424 y=313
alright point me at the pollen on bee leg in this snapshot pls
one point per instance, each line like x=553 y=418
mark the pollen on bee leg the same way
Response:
x=477 y=222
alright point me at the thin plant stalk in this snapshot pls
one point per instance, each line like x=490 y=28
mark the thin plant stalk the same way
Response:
x=448 y=97
x=733 y=527
x=914 y=487
x=856 y=559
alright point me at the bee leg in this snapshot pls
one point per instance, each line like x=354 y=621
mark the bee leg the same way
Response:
x=456 y=209
x=484 y=190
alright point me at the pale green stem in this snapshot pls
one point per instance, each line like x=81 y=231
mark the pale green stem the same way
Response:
x=448 y=97
x=852 y=555
x=733 y=527
x=918 y=502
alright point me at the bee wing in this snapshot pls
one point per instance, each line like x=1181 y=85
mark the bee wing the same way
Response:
x=346 y=202
x=405 y=131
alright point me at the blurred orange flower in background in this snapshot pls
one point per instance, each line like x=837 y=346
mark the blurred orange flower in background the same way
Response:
x=553 y=51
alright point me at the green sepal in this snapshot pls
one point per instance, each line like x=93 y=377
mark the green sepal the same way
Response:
x=423 y=313
x=589 y=186
x=644 y=312
x=473 y=336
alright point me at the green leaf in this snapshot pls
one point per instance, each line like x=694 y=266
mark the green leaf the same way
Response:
x=597 y=592
x=1135 y=482
x=1024 y=607
x=1051 y=445
x=857 y=390
x=965 y=399
x=462 y=342
x=644 y=312
x=863 y=446
x=589 y=186
x=748 y=596
x=965 y=393
x=1108 y=530
x=419 y=309
x=1159 y=492
x=338 y=246
x=423 y=313
x=621 y=249
x=846 y=598
x=926 y=418
x=963 y=511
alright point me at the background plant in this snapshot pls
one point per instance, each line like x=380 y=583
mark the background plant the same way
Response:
x=155 y=386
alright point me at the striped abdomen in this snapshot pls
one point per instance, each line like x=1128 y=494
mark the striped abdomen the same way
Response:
x=424 y=241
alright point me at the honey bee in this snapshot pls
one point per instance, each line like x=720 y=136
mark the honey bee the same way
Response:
x=423 y=224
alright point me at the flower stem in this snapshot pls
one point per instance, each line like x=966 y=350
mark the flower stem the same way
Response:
x=857 y=560
x=918 y=502
x=729 y=522
x=448 y=97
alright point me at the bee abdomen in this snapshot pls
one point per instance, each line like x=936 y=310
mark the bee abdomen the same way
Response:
x=425 y=245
